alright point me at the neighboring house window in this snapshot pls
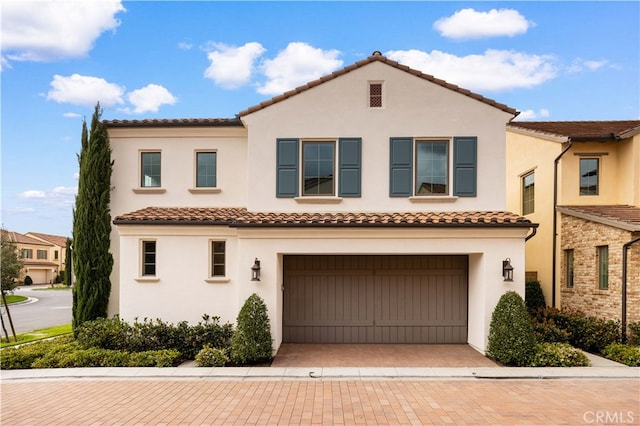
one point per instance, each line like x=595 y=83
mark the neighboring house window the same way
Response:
x=148 y=258
x=218 y=254
x=206 y=169
x=432 y=168
x=589 y=171
x=603 y=267
x=55 y=255
x=426 y=172
x=568 y=256
x=27 y=253
x=375 y=95
x=42 y=254
x=318 y=168
x=150 y=176
x=528 y=193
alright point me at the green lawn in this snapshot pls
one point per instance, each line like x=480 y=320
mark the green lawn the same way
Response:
x=13 y=298
x=32 y=336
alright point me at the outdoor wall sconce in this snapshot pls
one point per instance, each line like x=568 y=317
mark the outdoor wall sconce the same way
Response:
x=507 y=270
x=255 y=271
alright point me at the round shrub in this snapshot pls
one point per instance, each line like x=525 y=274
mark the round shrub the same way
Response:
x=633 y=333
x=511 y=337
x=252 y=342
x=28 y=280
x=559 y=355
x=212 y=357
x=533 y=297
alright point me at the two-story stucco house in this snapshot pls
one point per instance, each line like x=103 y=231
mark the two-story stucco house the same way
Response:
x=366 y=206
x=42 y=254
x=580 y=180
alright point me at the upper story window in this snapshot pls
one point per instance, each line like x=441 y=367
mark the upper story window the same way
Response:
x=603 y=267
x=375 y=94
x=589 y=171
x=432 y=168
x=318 y=168
x=425 y=168
x=528 y=193
x=42 y=254
x=55 y=255
x=27 y=253
x=206 y=169
x=150 y=169
x=148 y=258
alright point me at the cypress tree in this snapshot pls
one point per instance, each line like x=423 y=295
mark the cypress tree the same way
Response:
x=92 y=261
x=68 y=264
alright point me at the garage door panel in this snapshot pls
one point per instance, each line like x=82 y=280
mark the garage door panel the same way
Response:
x=352 y=299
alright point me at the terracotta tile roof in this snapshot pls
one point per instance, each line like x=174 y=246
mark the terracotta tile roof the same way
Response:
x=619 y=216
x=176 y=122
x=581 y=129
x=240 y=217
x=53 y=239
x=18 y=238
x=376 y=57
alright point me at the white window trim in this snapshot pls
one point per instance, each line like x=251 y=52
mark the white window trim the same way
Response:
x=318 y=199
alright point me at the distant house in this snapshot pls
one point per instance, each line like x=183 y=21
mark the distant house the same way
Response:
x=43 y=255
x=596 y=213
x=366 y=206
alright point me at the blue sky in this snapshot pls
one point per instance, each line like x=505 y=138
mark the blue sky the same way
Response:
x=152 y=59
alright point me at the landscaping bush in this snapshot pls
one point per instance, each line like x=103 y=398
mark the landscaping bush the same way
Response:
x=252 y=342
x=511 y=337
x=106 y=333
x=24 y=356
x=625 y=354
x=533 y=297
x=28 y=280
x=633 y=333
x=559 y=355
x=212 y=357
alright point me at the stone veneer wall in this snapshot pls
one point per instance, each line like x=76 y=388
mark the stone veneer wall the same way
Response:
x=584 y=236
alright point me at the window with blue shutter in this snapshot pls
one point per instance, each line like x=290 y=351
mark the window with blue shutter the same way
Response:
x=287 y=168
x=350 y=155
x=465 y=166
x=401 y=167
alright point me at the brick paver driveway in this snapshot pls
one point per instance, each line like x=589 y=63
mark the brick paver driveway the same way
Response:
x=315 y=401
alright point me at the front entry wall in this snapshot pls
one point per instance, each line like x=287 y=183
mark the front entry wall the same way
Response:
x=375 y=299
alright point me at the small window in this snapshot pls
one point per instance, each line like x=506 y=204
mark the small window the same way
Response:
x=589 y=176
x=55 y=255
x=318 y=168
x=27 y=253
x=375 y=95
x=150 y=176
x=432 y=168
x=603 y=267
x=42 y=254
x=568 y=256
x=148 y=258
x=218 y=256
x=206 y=169
x=528 y=193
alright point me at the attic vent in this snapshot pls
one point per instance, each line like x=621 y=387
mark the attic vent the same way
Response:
x=375 y=95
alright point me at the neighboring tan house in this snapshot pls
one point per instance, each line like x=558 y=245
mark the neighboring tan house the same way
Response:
x=598 y=210
x=42 y=255
x=367 y=206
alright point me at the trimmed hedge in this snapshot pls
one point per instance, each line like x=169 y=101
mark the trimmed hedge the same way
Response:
x=624 y=354
x=511 y=337
x=252 y=342
x=534 y=297
x=212 y=357
x=633 y=333
x=559 y=355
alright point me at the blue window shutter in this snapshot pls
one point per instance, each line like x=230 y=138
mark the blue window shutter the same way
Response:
x=401 y=167
x=350 y=168
x=465 y=166
x=287 y=168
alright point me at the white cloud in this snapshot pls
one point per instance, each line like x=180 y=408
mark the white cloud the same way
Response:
x=85 y=90
x=20 y=210
x=530 y=114
x=183 y=45
x=494 y=70
x=32 y=193
x=53 y=30
x=299 y=63
x=579 y=65
x=470 y=24
x=231 y=67
x=71 y=115
x=150 y=98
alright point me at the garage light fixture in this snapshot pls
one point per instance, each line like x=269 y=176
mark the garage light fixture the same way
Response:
x=507 y=270
x=255 y=271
